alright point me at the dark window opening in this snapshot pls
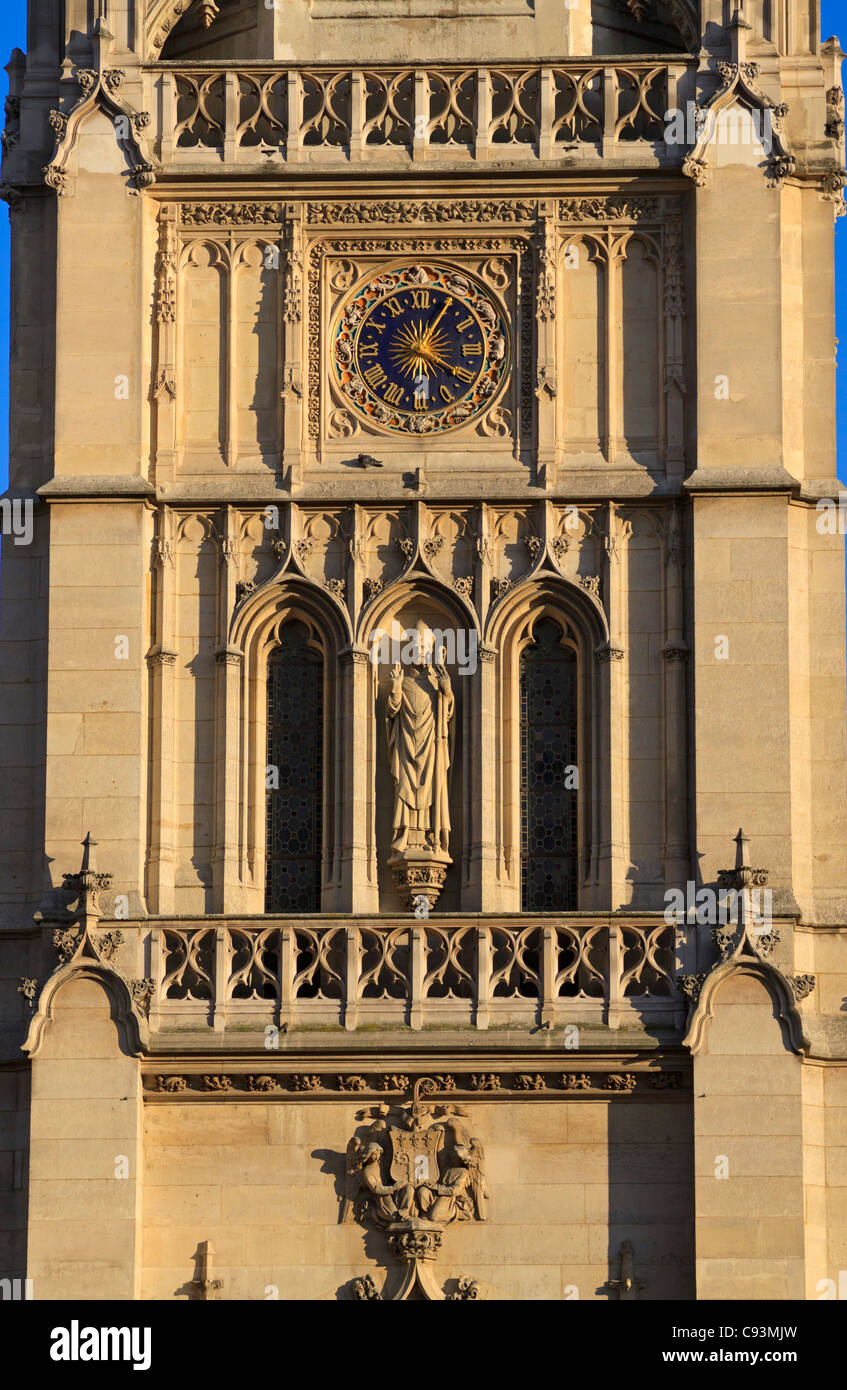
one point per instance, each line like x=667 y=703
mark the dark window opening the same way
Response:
x=549 y=784
x=294 y=775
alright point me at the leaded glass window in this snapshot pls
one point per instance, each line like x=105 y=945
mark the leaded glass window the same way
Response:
x=295 y=774
x=549 y=794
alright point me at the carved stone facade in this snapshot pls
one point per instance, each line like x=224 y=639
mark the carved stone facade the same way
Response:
x=427 y=576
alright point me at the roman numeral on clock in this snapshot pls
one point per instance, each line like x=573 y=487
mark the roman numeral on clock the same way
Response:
x=463 y=374
x=471 y=349
x=375 y=376
x=420 y=299
x=466 y=323
x=395 y=308
x=394 y=394
x=369 y=349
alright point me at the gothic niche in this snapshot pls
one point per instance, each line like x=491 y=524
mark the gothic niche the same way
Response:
x=418 y=715
x=418 y=712
x=412 y=1171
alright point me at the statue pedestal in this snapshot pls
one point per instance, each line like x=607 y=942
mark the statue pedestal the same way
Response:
x=419 y=872
x=416 y=1244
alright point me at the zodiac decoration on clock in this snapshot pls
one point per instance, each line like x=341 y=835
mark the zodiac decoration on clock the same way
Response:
x=420 y=348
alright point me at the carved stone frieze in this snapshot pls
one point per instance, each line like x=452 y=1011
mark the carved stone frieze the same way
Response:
x=416 y=212
x=608 y=209
x=287 y=1085
x=224 y=214
x=263 y=1083
x=485 y=1081
x=620 y=1081
x=170 y=1085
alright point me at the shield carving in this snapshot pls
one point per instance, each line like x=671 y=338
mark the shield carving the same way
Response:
x=414 y=1155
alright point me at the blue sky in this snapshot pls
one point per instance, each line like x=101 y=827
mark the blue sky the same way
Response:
x=13 y=34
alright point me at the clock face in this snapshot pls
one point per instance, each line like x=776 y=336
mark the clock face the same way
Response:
x=420 y=348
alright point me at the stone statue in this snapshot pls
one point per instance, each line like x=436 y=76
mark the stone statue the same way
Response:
x=461 y=1195
x=366 y=1193
x=418 y=713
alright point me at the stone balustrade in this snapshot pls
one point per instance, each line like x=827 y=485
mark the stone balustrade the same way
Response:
x=448 y=972
x=209 y=114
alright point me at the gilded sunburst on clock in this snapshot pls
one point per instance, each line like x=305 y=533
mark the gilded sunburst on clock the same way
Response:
x=420 y=348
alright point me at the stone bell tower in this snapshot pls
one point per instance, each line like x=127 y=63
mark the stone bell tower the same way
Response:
x=423 y=553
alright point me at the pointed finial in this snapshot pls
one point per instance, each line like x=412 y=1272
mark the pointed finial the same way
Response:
x=738 y=30
x=88 y=857
x=741 y=844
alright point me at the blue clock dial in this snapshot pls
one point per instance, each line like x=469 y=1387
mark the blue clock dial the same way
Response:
x=420 y=348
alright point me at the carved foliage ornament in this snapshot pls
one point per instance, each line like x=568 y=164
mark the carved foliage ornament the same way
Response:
x=247 y=214
x=287 y=1085
x=612 y=209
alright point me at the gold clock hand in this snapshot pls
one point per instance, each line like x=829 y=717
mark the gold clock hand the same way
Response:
x=436 y=321
x=448 y=366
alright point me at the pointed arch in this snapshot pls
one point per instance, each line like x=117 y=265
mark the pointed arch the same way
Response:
x=405 y=589
x=100 y=90
x=419 y=594
x=509 y=632
x=162 y=18
x=660 y=20
x=686 y=17
x=132 y=1028
x=642 y=344
x=739 y=88
x=774 y=982
x=254 y=632
x=296 y=678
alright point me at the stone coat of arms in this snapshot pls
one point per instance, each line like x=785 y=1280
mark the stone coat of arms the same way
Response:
x=415 y=1161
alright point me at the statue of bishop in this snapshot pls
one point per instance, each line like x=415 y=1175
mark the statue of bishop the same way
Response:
x=419 y=709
